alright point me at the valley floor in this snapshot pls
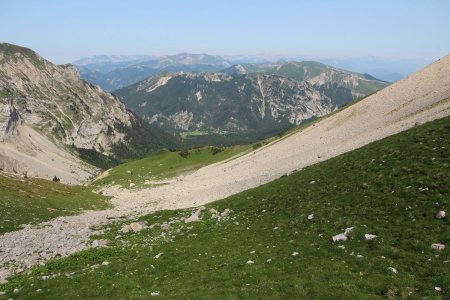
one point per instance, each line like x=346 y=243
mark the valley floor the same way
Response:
x=367 y=121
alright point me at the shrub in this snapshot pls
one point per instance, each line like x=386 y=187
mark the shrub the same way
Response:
x=56 y=179
x=215 y=150
x=257 y=145
x=184 y=153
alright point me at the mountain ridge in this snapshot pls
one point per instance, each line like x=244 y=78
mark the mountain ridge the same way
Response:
x=48 y=107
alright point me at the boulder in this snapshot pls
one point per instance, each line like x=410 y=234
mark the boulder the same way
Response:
x=440 y=214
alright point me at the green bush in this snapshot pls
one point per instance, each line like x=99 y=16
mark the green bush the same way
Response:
x=184 y=153
x=215 y=150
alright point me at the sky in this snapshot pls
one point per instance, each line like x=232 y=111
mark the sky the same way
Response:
x=63 y=31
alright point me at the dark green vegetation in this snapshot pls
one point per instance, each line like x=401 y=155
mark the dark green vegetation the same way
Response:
x=392 y=188
x=32 y=201
x=166 y=164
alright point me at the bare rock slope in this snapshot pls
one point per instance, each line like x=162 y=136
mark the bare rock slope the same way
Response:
x=47 y=112
x=422 y=97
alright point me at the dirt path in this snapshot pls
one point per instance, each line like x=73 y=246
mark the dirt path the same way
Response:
x=422 y=97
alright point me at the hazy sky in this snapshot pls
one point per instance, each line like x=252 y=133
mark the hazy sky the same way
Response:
x=63 y=31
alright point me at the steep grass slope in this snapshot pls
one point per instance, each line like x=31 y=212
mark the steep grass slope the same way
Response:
x=275 y=240
x=164 y=165
x=33 y=200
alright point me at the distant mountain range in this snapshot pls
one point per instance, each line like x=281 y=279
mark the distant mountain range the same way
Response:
x=49 y=117
x=251 y=100
x=112 y=72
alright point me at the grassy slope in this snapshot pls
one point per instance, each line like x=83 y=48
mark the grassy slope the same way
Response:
x=392 y=188
x=165 y=164
x=32 y=200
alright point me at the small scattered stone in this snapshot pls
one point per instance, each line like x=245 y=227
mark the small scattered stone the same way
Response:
x=99 y=243
x=45 y=277
x=437 y=288
x=155 y=293
x=393 y=270
x=312 y=182
x=132 y=184
x=225 y=213
x=311 y=216
x=339 y=237
x=342 y=236
x=158 y=255
x=136 y=227
x=249 y=262
x=269 y=260
x=39 y=290
x=252 y=252
x=440 y=214
x=2 y=293
x=16 y=290
x=105 y=263
x=295 y=253
x=438 y=247
x=369 y=236
x=341 y=247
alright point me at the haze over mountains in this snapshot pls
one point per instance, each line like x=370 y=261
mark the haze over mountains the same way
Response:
x=116 y=71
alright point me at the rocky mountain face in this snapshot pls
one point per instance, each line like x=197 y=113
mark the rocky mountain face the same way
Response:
x=52 y=104
x=335 y=83
x=245 y=99
x=114 y=74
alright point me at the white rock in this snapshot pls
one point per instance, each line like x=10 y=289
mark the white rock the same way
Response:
x=295 y=253
x=2 y=293
x=393 y=270
x=155 y=293
x=192 y=218
x=16 y=290
x=99 y=243
x=438 y=246
x=339 y=237
x=252 y=252
x=105 y=263
x=312 y=182
x=437 y=288
x=158 y=255
x=136 y=227
x=249 y=262
x=132 y=184
x=369 y=236
x=311 y=216
x=269 y=260
x=225 y=213
x=440 y=214
x=341 y=247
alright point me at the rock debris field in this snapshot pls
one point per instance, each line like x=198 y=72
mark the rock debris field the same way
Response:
x=419 y=98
